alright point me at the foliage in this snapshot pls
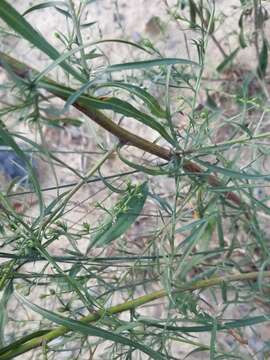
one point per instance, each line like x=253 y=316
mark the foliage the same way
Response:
x=183 y=209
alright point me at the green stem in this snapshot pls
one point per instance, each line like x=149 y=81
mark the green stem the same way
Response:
x=79 y=36
x=128 y=305
x=73 y=191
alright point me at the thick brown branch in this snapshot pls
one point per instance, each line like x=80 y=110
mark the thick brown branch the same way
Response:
x=22 y=70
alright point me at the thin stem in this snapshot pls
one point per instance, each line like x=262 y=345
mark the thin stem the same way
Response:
x=126 y=306
x=73 y=191
x=78 y=35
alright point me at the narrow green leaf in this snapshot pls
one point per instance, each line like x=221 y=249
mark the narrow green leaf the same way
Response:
x=231 y=173
x=236 y=324
x=213 y=340
x=227 y=62
x=59 y=61
x=198 y=349
x=150 y=63
x=263 y=60
x=125 y=42
x=44 y=5
x=191 y=225
x=89 y=24
x=220 y=231
x=92 y=55
x=65 y=121
x=242 y=40
x=192 y=13
x=6 y=268
x=5 y=296
x=210 y=102
x=209 y=19
x=147 y=98
x=63 y=12
x=124 y=214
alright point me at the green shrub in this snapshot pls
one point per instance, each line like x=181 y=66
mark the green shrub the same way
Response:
x=164 y=238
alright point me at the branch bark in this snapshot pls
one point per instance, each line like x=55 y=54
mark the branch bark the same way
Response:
x=22 y=70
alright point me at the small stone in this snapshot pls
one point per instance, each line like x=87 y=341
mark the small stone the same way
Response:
x=153 y=26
